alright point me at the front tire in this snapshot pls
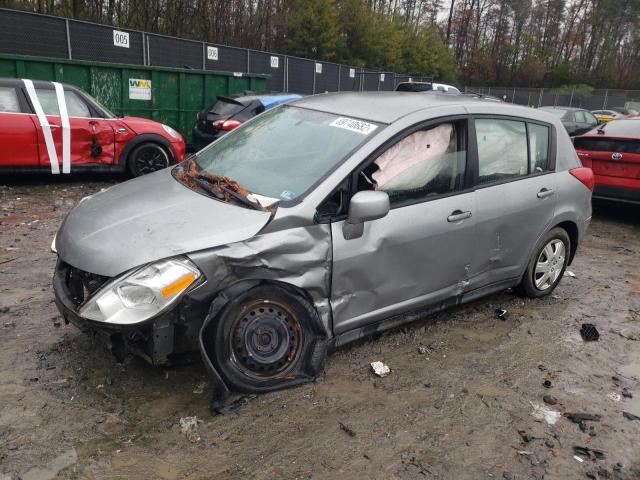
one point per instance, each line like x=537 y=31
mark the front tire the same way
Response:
x=547 y=264
x=267 y=338
x=146 y=158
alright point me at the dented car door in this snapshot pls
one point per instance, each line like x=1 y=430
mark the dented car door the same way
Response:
x=419 y=253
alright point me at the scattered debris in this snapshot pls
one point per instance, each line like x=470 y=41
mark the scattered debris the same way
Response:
x=526 y=438
x=593 y=453
x=589 y=332
x=549 y=443
x=347 y=429
x=547 y=384
x=578 y=458
x=199 y=388
x=626 y=393
x=583 y=417
x=422 y=350
x=580 y=418
x=380 y=369
x=189 y=427
x=569 y=273
x=550 y=399
x=614 y=397
x=502 y=314
x=233 y=406
x=540 y=412
x=630 y=416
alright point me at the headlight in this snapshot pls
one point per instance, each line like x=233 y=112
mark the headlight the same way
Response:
x=171 y=131
x=142 y=294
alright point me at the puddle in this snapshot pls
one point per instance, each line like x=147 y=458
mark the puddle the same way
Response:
x=51 y=469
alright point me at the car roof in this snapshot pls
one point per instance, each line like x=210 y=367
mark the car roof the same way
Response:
x=387 y=107
x=550 y=107
x=43 y=84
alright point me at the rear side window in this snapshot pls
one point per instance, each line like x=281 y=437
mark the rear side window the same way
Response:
x=579 y=117
x=502 y=149
x=538 y=148
x=9 y=100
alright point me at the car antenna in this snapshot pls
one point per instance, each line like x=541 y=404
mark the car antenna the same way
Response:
x=601 y=129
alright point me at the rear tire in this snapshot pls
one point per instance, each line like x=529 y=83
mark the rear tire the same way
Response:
x=267 y=338
x=547 y=264
x=146 y=158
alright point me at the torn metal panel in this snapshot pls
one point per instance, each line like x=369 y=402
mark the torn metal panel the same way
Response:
x=300 y=257
x=400 y=262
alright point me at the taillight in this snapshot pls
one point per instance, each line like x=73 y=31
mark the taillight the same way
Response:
x=226 y=125
x=585 y=175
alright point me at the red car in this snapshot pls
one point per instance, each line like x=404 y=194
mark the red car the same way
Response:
x=612 y=151
x=49 y=126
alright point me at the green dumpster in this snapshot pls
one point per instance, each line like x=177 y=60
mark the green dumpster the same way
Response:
x=168 y=95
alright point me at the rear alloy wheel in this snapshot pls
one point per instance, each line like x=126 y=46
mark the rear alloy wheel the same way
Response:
x=547 y=265
x=267 y=338
x=147 y=158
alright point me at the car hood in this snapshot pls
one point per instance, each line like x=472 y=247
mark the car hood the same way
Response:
x=147 y=219
x=143 y=125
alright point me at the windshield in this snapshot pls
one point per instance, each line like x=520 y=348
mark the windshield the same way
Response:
x=108 y=113
x=285 y=151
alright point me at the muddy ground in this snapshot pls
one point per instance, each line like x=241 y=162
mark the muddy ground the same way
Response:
x=461 y=409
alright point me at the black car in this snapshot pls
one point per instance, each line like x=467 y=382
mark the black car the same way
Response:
x=230 y=112
x=576 y=120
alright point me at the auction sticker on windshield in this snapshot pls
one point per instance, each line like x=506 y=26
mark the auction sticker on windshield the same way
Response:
x=354 y=125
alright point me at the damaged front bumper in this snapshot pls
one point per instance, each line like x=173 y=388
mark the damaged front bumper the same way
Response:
x=167 y=339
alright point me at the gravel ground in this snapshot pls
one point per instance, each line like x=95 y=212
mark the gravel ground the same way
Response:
x=458 y=403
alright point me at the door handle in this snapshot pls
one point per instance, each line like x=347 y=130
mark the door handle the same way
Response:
x=458 y=215
x=52 y=125
x=545 y=192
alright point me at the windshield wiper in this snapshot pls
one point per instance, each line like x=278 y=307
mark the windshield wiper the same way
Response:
x=219 y=186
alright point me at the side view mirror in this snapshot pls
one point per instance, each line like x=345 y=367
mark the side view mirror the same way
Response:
x=364 y=207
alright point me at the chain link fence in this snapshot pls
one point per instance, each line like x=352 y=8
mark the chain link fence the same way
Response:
x=25 y=33
x=597 y=99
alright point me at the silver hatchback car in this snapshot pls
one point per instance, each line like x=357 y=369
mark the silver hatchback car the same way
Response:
x=318 y=223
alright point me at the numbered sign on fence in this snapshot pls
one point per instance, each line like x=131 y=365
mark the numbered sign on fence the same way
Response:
x=275 y=62
x=318 y=68
x=212 y=53
x=352 y=73
x=120 y=39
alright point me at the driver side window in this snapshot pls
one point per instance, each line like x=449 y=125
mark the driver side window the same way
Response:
x=424 y=164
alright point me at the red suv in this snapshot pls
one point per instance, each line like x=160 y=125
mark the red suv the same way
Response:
x=612 y=151
x=59 y=128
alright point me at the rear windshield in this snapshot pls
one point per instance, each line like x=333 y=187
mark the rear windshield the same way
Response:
x=226 y=107
x=414 y=87
x=607 y=145
x=283 y=152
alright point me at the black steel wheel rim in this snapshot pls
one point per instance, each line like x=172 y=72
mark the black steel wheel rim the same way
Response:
x=150 y=159
x=265 y=340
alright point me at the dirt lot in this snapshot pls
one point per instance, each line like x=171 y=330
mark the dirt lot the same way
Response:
x=460 y=408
